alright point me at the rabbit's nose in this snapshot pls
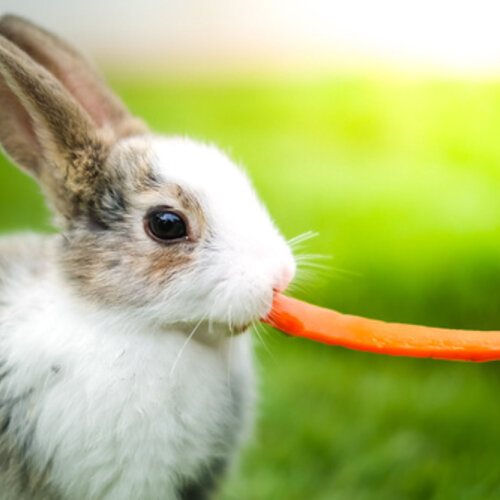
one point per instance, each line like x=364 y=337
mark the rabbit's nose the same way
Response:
x=283 y=278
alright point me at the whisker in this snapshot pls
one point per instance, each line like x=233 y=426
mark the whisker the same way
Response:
x=181 y=350
x=314 y=267
x=298 y=285
x=310 y=261
x=256 y=328
x=229 y=362
x=229 y=318
x=296 y=241
x=312 y=256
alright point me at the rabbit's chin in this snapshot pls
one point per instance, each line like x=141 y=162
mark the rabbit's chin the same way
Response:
x=208 y=332
x=216 y=316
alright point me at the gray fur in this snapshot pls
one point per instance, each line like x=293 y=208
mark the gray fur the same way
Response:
x=205 y=485
x=20 y=475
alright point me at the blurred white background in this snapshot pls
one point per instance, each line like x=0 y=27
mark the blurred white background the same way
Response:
x=203 y=35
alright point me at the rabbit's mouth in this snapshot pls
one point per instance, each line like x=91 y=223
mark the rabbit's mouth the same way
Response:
x=229 y=330
x=239 y=329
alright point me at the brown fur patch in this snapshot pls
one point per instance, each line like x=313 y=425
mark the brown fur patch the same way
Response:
x=165 y=261
x=123 y=265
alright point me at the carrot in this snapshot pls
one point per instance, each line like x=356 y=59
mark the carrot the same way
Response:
x=330 y=327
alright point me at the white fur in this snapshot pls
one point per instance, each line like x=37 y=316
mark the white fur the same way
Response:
x=234 y=278
x=113 y=419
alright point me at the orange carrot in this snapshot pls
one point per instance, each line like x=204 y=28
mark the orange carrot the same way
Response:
x=330 y=327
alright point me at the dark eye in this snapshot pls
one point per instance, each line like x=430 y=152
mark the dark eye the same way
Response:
x=165 y=225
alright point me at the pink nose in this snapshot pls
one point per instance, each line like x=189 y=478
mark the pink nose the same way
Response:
x=283 y=279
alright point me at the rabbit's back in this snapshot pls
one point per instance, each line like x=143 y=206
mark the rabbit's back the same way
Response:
x=22 y=257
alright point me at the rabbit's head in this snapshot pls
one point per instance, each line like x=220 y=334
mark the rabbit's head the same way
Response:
x=165 y=227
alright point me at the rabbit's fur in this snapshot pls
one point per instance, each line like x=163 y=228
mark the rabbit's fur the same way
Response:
x=121 y=372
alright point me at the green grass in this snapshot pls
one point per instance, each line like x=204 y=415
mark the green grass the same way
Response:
x=401 y=179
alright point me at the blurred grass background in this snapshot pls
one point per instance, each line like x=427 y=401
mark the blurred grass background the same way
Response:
x=401 y=179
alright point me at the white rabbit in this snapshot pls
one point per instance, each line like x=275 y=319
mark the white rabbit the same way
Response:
x=162 y=240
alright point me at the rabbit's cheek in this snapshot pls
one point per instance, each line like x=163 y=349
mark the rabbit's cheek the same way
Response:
x=164 y=263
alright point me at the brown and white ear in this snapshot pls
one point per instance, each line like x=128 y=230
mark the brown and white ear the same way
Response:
x=76 y=73
x=47 y=132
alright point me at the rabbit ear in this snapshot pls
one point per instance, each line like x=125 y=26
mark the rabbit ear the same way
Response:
x=17 y=135
x=45 y=130
x=76 y=73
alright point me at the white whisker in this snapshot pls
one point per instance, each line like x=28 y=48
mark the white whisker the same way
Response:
x=257 y=329
x=181 y=350
x=296 y=241
x=312 y=256
x=229 y=360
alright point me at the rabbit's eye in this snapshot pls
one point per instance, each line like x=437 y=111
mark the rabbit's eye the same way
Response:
x=165 y=225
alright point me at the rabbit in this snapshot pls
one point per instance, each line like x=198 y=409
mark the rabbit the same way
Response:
x=126 y=368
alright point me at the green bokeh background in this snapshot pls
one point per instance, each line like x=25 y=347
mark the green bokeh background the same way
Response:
x=401 y=179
